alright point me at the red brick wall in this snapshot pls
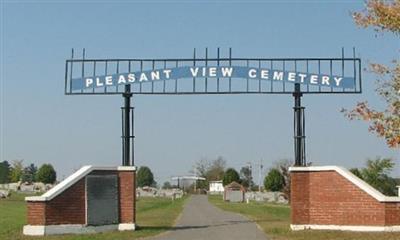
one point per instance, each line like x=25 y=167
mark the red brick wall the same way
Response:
x=127 y=196
x=36 y=213
x=70 y=206
x=66 y=208
x=327 y=198
x=392 y=213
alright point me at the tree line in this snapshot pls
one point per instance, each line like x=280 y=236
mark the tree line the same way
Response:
x=16 y=172
x=215 y=170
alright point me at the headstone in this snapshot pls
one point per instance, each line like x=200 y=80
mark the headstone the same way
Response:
x=4 y=193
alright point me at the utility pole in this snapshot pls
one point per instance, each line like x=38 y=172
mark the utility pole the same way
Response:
x=260 y=176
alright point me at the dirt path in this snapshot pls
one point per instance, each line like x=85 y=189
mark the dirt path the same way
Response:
x=202 y=220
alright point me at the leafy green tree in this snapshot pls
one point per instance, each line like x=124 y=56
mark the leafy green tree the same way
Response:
x=246 y=177
x=274 y=181
x=29 y=173
x=46 y=174
x=4 y=172
x=383 y=16
x=16 y=170
x=356 y=172
x=230 y=175
x=145 y=177
x=376 y=173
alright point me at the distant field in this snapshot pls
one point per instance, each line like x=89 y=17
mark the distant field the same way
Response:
x=275 y=220
x=154 y=215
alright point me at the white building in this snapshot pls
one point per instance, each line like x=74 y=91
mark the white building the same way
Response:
x=216 y=187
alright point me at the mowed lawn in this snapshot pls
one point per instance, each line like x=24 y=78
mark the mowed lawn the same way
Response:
x=274 y=219
x=154 y=215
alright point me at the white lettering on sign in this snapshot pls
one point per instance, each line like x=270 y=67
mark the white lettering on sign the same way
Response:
x=108 y=81
x=167 y=73
x=264 y=74
x=194 y=71
x=252 y=73
x=89 y=81
x=131 y=77
x=314 y=79
x=121 y=79
x=337 y=80
x=212 y=72
x=143 y=77
x=203 y=71
x=291 y=76
x=155 y=75
x=325 y=80
x=302 y=77
x=99 y=83
x=278 y=76
x=226 y=72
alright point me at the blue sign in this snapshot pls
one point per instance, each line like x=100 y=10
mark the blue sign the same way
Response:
x=266 y=74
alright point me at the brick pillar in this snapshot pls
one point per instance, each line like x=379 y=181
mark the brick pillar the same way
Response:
x=300 y=197
x=134 y=196
x=127 y=191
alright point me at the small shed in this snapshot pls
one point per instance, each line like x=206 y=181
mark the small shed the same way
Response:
x=234 y=192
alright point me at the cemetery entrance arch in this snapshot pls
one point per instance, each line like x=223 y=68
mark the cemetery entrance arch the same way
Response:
x=213 y=75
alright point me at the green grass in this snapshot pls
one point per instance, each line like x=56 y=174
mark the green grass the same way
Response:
x=154 y=216
x=274 y=219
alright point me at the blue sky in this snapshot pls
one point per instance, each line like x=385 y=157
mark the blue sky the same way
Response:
x=41 y=125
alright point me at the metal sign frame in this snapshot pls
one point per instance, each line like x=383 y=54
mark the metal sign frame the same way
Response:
x=81 y=68
x=345 y=67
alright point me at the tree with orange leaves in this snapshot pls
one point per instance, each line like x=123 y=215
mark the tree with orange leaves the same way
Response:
x=383 y=16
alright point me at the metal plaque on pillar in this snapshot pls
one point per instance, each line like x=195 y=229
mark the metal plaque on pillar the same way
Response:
x=102 y=199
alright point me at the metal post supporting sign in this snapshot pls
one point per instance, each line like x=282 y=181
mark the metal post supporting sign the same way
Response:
x=127 y=129
x=299 y=131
